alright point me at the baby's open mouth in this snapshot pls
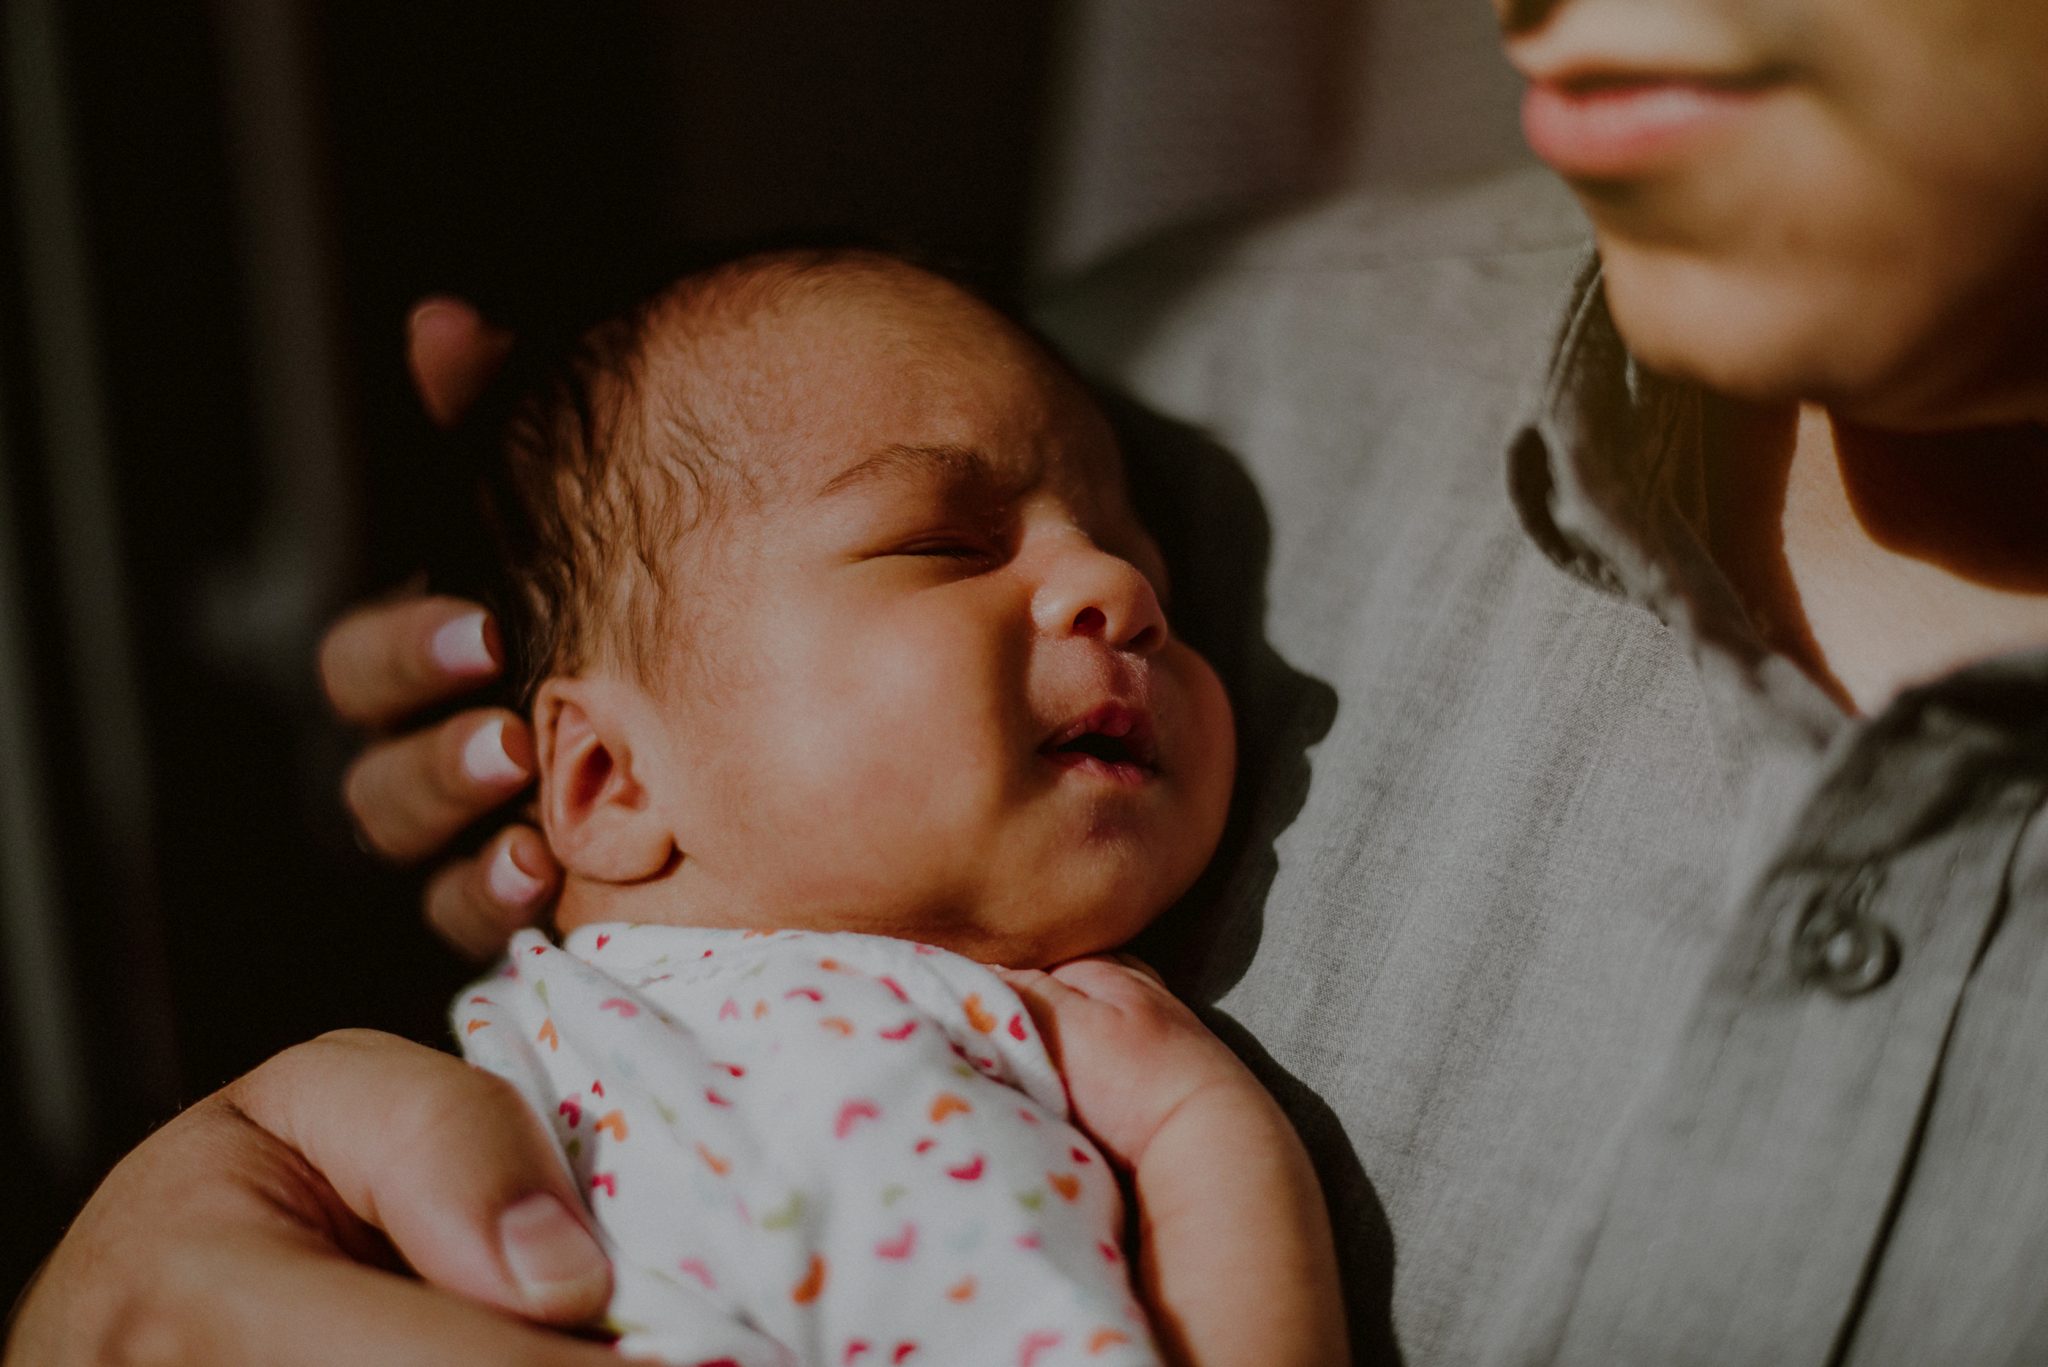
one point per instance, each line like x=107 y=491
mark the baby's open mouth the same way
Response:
x=1113 y=741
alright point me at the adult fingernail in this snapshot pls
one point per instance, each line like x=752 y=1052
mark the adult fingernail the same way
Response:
x=463 y=646
x=552 y=1258
x=487 y=760
x=429 y=311
x=510 y=884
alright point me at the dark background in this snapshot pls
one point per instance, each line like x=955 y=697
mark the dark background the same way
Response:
x=214 y=219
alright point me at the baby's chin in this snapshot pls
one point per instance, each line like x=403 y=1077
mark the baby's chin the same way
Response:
x=1035 y=931
x=1038 y=936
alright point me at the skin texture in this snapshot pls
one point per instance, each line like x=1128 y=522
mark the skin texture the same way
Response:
x=1871 y=247
x=1855 y=257
x=409 y=791
x=1867 y=234
x=936 y=573
x=263 y=1224
x=1236 y=1262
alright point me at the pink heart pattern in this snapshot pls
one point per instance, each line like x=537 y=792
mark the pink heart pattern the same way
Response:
x=954 y=1181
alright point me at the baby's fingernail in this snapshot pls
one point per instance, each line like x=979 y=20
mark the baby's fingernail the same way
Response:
x=509 y=884
x=556 y=1264
x=463 y=646
x=485 y=757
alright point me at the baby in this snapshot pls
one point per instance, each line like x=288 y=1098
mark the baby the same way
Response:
x=850 y=682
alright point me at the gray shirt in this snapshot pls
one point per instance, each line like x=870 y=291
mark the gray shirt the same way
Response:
x=1637 y=1005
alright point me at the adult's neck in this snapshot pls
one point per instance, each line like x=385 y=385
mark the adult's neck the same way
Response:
x=1879 y=560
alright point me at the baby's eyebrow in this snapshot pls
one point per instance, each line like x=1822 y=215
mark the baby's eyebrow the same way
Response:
x=954 y=464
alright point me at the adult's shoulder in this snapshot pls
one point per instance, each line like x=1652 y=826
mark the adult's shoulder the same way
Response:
x=1392 y=282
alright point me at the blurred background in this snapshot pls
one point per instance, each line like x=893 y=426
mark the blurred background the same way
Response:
x=213 y=219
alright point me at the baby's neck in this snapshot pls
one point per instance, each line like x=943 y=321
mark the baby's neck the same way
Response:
x=663 y=901
x=659 y=901
x=589 y=901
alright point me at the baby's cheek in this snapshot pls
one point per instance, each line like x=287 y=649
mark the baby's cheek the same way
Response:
x=1210 y=732
x=896 y=753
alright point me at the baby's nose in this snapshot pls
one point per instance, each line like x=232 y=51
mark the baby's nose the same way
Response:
x=1093 y=593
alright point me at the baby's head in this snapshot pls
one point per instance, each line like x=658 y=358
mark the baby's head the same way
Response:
x=837 y=616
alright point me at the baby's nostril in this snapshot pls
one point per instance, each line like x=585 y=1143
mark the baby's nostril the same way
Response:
x=1144 y=640
x=1089 y=622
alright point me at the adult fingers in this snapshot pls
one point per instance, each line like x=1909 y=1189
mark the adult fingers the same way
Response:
x=453 y=354
x=410 y=795
x=304 y=1308
x=475 y=904
x=256 y=1227
x=447 y=1160
x=263 y=1293
x=385 y=661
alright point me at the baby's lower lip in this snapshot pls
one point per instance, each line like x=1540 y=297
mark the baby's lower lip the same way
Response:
x=1628 y=128
x=1126 y=772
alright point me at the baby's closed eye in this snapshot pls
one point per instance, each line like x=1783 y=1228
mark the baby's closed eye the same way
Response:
x=949 y=548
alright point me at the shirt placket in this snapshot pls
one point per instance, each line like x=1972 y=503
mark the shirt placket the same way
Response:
x=1749 y=1197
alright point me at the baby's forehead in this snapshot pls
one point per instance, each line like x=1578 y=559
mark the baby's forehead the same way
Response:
x=776 y=313
x=791 y=373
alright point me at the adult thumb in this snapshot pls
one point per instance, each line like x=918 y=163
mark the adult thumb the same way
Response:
x=446 y=1160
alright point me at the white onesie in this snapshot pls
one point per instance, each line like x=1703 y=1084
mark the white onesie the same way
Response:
x=814 y=1148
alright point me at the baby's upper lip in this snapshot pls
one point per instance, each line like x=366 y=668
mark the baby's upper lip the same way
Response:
x=1129 y=724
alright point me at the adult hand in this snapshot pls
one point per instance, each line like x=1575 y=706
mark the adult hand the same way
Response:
x=270 y=1223
x=412 y=791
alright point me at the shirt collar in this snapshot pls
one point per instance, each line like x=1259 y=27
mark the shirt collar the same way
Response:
x=1608 y=475
x=1609 y=453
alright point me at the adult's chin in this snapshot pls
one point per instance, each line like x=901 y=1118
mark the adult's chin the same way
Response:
x=1739 y=336
x=1883 y=348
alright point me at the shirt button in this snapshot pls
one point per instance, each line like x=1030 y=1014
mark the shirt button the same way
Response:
x=1840 y=946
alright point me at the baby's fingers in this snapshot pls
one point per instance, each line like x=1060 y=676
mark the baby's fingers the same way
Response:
x=1138 y=965
x=1035 y=985
x=1049 y=1001
x=412 y=794
x=1114 y=978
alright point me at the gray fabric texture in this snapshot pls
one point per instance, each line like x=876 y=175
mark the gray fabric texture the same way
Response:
x=1637 y=1005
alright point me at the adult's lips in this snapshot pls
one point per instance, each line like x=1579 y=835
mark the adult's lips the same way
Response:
x=1111 y=740
x=1604 y=124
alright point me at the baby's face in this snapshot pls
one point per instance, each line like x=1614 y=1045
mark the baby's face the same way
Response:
x=929 y=687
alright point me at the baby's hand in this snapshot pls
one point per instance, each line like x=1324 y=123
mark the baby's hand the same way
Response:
x=1131 y=1052
x=1236 y=1263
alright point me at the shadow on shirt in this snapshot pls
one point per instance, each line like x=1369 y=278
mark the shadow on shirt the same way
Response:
x=1210 y=522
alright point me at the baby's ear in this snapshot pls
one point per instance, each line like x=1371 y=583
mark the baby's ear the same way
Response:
x=594 y=805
